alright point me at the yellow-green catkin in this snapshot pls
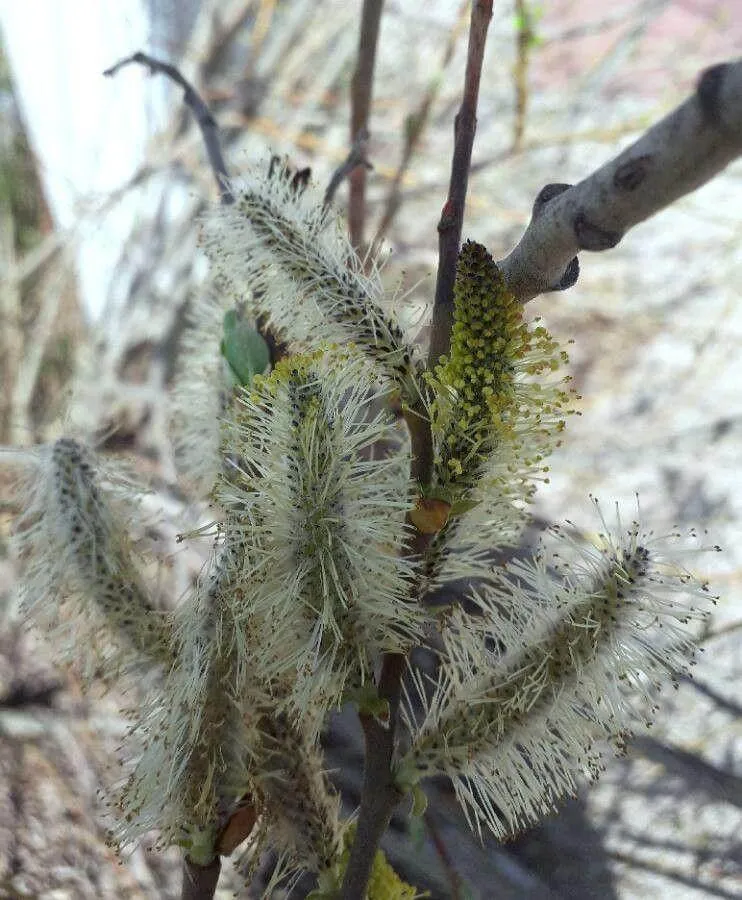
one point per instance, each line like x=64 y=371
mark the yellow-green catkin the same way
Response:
x=490 y=393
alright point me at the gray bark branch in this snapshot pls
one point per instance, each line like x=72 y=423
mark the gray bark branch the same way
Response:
x=677 y=155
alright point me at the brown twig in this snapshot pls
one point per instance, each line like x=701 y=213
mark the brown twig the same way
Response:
x=356 y=157
x=360 y=98
x=199 y=882
x=200 y=110
x=452 y=217
x=380 y=794
x=677 y=155
x=449 y=234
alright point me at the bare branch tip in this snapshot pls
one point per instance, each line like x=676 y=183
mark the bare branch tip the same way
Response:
x=708 y=92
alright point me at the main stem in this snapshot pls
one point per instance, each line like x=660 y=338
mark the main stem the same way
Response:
x=199 y=882
x=380 y=795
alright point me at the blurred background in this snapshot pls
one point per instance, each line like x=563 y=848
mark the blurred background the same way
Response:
x=102 y=181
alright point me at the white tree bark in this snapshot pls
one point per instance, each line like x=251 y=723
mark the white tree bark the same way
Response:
x=90 y=134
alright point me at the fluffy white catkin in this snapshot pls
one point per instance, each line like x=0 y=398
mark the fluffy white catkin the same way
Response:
x=323 y=523
x=550 y=665
x=214 y=740
x=79 y=575
x=280 y=251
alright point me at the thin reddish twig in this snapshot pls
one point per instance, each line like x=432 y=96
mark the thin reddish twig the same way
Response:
x=452 y=217
x=361 y=89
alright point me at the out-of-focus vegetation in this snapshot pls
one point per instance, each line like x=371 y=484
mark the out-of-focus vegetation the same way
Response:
x=38 y=311
x=20 y=192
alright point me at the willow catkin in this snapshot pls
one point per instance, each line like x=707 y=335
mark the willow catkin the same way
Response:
x=322 y=525
x=80 y=578
x=288 y=256
x=551 y=663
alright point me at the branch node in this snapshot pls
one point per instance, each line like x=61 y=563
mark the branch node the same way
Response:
x=356 y=157
x=448 y=218
x=629 y=175
x=547 y=193
x=569 y=278
x=590 y=236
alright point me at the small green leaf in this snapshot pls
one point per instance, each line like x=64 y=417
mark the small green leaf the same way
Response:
x=244 y=348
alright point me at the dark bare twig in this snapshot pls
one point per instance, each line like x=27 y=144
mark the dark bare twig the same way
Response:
x=379 y=794
x=449 y=233
x=361 y=87
x=452 y=217
x=356 y=157
x=680 y=153
x=199 y=882
x=200 y=110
